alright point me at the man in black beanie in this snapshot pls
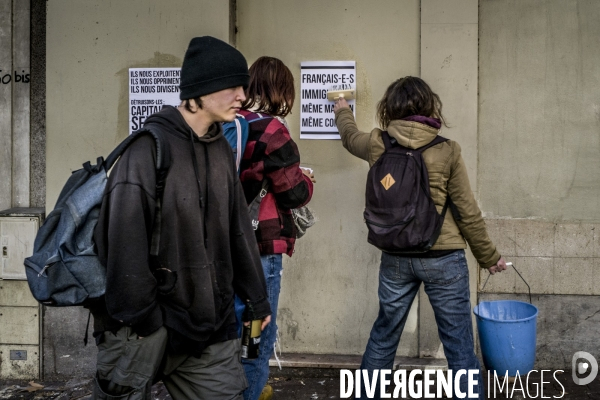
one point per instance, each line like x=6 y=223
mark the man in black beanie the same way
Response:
x=175 y=321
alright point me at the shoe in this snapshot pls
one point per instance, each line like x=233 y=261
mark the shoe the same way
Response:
x=267 y=393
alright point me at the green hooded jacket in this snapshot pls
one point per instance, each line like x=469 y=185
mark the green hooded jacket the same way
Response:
x=447 y=176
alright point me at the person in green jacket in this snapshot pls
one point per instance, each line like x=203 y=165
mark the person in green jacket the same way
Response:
x=411 y=113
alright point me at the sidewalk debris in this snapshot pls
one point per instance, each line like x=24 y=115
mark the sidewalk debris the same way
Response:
x=33 y=387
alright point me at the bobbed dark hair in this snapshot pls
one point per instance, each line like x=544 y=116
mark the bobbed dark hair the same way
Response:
x=271 y=89
x=409 y=96
x=187 y=104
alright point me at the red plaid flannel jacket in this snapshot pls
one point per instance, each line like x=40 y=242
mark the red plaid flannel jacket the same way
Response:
x=272 y=154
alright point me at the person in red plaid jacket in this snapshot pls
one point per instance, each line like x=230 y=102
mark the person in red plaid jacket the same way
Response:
x=271 y=155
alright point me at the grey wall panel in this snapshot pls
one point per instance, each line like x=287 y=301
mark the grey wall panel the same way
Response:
x=37 y=182
x=20 y=102
x=328 y=296
x=449 y=65
x=539 y=120
x=5 y=103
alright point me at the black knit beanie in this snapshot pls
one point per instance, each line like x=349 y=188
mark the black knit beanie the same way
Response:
x=211 y=65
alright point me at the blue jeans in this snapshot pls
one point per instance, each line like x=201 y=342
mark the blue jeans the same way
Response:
x=257 y=370
x=446 y=282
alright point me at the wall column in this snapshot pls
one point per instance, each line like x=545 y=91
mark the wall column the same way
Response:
x=5 y=103
x=21 y=104
x=14 y=103
x=449 y=64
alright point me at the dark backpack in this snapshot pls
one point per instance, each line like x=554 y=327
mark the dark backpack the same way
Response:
x=399 y=211
x=64 y=269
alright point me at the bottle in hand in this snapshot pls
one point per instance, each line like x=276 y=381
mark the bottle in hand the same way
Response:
x=251 y=339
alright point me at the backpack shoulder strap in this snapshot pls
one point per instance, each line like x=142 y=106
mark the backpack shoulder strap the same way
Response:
x=163 y=163
x=239 y=151
x=387 y=141
x=437 y=140
x=448 y=203
x=163 y=153
x=254 y=117
x=254 y=206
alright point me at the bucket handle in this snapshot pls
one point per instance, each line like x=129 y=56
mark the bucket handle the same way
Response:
x=510 y=264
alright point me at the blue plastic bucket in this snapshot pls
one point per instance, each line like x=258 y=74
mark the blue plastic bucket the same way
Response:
x=507 y=335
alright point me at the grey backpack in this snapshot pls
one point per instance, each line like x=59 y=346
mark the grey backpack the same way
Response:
x=64 y=269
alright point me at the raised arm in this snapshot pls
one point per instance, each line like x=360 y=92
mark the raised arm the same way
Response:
x=355 y=141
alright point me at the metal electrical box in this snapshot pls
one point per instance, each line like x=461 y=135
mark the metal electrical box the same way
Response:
x=20 y=313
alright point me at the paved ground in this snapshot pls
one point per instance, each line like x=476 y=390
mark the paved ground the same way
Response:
x=297 y=384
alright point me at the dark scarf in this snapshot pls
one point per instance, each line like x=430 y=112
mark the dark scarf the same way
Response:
x=432 y=122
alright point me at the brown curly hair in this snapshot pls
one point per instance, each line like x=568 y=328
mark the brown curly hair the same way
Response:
x=409 y=96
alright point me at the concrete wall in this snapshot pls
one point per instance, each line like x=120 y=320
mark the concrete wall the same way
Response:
x=38 y=104
x=532 y=156
x=22 y=159
x=540 y=112
x=539 y=164
x=449 y=55
x=6 y=29
x=90 y=46
x=329 y=288
x=22 y=103
x=14 y=103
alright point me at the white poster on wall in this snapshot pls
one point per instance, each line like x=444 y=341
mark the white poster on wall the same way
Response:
x=316 y=112
x=149 y=90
